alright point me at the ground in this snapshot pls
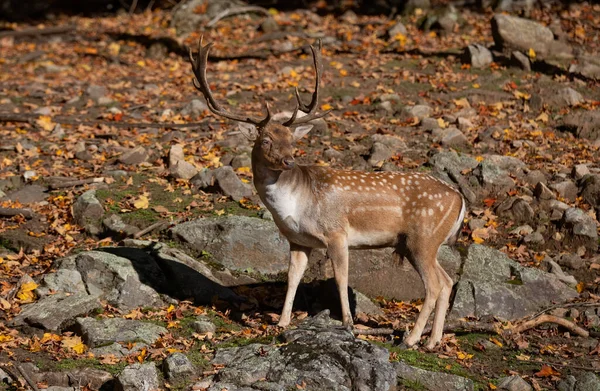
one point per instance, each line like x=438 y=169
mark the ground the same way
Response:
x=50 y=118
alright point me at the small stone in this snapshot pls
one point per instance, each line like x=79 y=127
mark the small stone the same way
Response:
x=175 y=154
x=523 y=230
x=96 y=92
x=195 y=108
x=138 y=377
x=566 y=189
x=514 y=383
x=476 y=224
x=387 y=106
x=242 y=160
x=570 y=96
x=454 y=138
x=542 y=192
x=203 y=326
x=87 y=212
x=581 y=223
x=534 y=177
x=520 y=60
x=396 y=29
x=477 y=55
x=587 y=381
x=580 y=170
x=105 y=331
x=178 y=367
x=183 y=170
x=380 y=153
x=29 y=194
x=115 y=226
x=464 y=124
x=28 y=175
x=572 y=261
x=418 y=111
x=429 y=124
x=535 y=237
x=134 y=156
x=269 y=25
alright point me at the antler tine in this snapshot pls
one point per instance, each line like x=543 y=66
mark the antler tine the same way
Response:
x=201 y=84
x=310 y=108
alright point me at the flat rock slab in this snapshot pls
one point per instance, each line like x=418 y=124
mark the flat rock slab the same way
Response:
x=138 y=377
x=433 y=381
x=97 y=332
x=238 y=243
x=52 y=312
x=316 y=356
x=493 y=284
x=29 y=194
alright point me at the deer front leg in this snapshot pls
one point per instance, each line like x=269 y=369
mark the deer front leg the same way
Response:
x=298 y=261
x=338 y=252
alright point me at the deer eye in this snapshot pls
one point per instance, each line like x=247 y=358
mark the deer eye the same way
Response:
x=266 y=142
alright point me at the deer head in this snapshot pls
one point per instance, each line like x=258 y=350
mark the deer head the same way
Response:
x=273 y=142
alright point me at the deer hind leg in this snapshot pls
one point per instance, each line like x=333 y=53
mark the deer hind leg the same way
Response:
x=298 y=261
x=441 y=306
x=337 y=250
x=425 y=262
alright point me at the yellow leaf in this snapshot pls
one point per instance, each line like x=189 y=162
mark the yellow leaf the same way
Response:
x=531 y=53
x=49 y=337
x=580 y=287
x=293 y=73
x=141 y=63
x=543 y=117
x=522 y=357
x=521 y=95
x=220 y=212
x=73 y=343
x=170 y=309
x=355 y=84
x=496 y=342
x=142 y=355
x=114 y=48
x=243 y=169
x=462 y=102
x=480 y=158
x=343 y=72
x=25 y=294
x=326 y=106
x=476 y=85
x=141 y=202
x=45 y=122
x=5 y=338
x=442 y=123
x=492 y=387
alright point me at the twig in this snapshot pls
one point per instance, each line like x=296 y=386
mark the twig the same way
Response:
x=566 y=305
x=356 y=331
x=10 y=212
x=133 y=7
x=529 y=324
x=236 y=11
x=159 y=224
x=582 y=368
x=37 y=31
x=62 y=185
x=27 y=378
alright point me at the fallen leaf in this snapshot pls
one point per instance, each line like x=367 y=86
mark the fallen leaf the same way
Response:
x=75 y=343
x=142 y=202
x=547 y=371
x=26 y=294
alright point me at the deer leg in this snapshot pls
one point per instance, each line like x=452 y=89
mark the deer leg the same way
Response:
x=298 y=261
x=441 y=306
x=425 y=264
x=338 y=252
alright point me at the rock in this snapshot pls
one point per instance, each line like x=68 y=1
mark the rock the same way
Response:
x=118 y=350
x=534 y=177
x=63 y=280
x=396 y=29
x=570 y=97
x=177 y=367
x=514 y=383
x=116 y=227
x=568 y=384
x=572 y=261
x=587 y=381
x=195 y=108
x=134 y=156
x=454 y=138
x=204 y=326
x=520 y=60
x=585 y=124
x=29 y=194
x=87 y=212
x=242 y=160
x=96 y=93
x=99 y=332
x=452 y=162
x=364 y=305
x=379 y=154
x=184 y=170
x=429 y=124
x=542 y=192
x=493 y=178
x=433 y=381
x=580 y=170
x=587 y=66
x=513 y=33
x=555 y=269
x=54 y=311
x=316 y=355
x=590 y=191
x=175 y=155
x=566 y=189
x=477 y=55
x=492 y=284
x=117 y=274
x=223 y=180
x=138 y=377
x=269 y=25
x=418 y=111
x=4 y=377
x=581 y=224
x=535 y=237
x=94 y=379
x=265 y=251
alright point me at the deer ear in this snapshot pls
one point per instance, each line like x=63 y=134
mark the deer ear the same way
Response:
x=248 y=130
x=301 y=131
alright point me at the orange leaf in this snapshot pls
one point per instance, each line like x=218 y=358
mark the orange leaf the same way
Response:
x=547 y=371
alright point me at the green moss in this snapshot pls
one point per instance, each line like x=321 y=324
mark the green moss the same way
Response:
x=412 y=385
x=241 y=341
x=69 y=364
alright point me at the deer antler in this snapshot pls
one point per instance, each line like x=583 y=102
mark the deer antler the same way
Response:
x=311 y=107
x=199 y=68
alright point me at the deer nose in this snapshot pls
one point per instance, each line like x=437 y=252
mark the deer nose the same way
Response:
x=288 y=162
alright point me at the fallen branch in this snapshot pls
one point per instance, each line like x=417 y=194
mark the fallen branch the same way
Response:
x=37 y=31
x=529 y=324
x=159 y=224
x=579 y=367
x=81 y=182
x=10 y=212
x=27 y=378
x=236 y=11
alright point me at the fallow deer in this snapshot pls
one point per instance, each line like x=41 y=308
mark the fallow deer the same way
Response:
x=321 y=207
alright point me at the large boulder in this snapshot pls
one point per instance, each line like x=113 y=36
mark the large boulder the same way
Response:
x=315 y=356
x=493 y=284
x=514 y=33
x=583 y=124
x=99 y=332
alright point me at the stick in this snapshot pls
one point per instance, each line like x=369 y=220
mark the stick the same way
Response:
x=27 y=378
x=37 y=31
x=62 y=185
x=566 y=305
x=10 y=212
x=152 y=227
x=529 y=324
x=236 y=11
x=568 y=366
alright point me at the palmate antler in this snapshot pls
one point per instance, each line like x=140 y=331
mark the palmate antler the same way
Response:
x=201 y=84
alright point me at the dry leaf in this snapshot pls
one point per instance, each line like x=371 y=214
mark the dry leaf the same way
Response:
x=142 y=202
x=547 y=371
x=75 y=343
x=26 y=294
